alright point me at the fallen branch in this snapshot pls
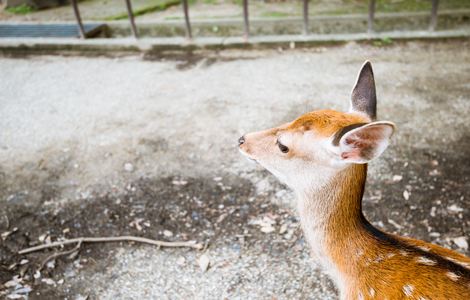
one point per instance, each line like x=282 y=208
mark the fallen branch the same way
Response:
x=59 y=254
x=189 y=244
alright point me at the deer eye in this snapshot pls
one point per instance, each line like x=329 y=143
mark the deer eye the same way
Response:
x=283 y=148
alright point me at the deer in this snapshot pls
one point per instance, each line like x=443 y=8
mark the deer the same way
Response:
x=322 y=156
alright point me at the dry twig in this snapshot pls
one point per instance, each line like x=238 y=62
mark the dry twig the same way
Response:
x=58 y=254
x=80 y=240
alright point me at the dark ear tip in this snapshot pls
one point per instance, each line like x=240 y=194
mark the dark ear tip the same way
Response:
x=367 y=65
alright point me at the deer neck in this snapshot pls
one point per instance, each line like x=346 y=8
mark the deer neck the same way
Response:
x=332 y=220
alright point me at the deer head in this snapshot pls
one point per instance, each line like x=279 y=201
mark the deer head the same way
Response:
x=307 y=152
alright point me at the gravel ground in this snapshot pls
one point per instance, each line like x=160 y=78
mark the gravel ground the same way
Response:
x=145 y=146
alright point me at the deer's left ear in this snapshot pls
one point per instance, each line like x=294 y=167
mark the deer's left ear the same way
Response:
x=366 y=142
x=363 y=96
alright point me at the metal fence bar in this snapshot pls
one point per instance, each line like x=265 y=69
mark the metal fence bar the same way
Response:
x=131 y=18
x=433 y=22
x=245 y=19
x=370 y=20
x=306 y=30
x=76 y=12
x=189 y=34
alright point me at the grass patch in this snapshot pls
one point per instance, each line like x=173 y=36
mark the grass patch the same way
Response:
x=147 y=9
x=275 y=14
x=22 y=9
x=386 y=41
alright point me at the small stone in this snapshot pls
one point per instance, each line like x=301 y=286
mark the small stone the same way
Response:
x=181 y=261
x=283 y=229
x=24 y=290
x=454 y=208
x=13 y=282
x=267 y=229
x=433 y=211
x=51 y=264
x=406 y=195
x=128 y=167
x=397 y=178
x=48 y=281
x=167 y=233
x=204 y=262
x=24 y=262
x=461 y=242
x=42 y=237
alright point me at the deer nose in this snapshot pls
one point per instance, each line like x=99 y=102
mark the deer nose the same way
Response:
x=241 y=140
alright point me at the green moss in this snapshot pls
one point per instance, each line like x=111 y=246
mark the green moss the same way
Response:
x=274 y=14
x=162 y=5
x=385 y=41
x=22 y=9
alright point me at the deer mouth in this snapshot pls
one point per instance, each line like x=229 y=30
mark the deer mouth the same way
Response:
x=247 y=155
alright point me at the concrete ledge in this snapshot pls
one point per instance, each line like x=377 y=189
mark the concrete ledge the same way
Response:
x=12 y=46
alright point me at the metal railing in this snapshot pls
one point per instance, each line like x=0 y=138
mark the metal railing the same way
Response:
x=246 y=21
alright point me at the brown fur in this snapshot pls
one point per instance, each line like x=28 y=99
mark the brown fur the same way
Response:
x=383 y=262
x=325 y=122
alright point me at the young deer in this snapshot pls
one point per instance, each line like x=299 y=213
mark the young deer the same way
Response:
x=323 y=157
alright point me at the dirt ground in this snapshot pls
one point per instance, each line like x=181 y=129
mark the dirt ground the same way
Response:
x=147 y=146
x=93 y=10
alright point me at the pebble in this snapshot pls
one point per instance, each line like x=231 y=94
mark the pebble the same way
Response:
x=461 y=242
x=406 y=194
x=204 y=262
x=128 y=167
x=454 y=208
x=48 y=281
x=181 y=261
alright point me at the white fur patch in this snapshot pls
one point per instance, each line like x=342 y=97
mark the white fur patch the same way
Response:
x=404 y=253
x=408 y=290
x=425 y=261
x=452 y=276
x=372 y=292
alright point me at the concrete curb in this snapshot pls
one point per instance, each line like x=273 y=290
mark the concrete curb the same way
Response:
x=116 y=46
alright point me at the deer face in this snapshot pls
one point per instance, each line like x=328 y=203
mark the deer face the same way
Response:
x=309 y=150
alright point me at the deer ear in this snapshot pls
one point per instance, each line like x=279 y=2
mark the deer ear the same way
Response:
x=364 y=143
x=363 y=97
